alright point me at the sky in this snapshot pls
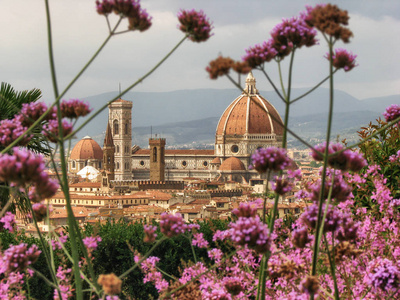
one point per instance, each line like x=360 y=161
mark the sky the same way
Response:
x=78 y=31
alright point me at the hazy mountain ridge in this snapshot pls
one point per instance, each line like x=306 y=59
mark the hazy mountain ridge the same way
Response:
x=187 y=116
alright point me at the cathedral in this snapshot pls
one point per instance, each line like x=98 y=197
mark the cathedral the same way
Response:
x=248 y=123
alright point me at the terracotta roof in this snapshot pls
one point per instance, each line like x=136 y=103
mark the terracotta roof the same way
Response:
x=86 y=184
x=232 y=164
x=250 y=113
x=87 y=148
x=216 y=160
x=171 y=152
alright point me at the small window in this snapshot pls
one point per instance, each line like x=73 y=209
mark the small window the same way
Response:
x=141 y=163
x=116 y=126
x=205 y=164
x=73 y=165
x=235 y=149
x=184 y=163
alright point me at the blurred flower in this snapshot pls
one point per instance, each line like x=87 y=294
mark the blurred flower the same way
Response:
x=90 y=242
x=251 y=232
x=172 y=225
x=270 y=159
x=259 y=54
x=199 y=241
x=18 y=257
x=40 y=211
x=329 y=19
x=8 y=221
x=10 y=130
x=290 y=34
x=300 y=237
x=247 y=209
x=51 y=130
x=219 y=67
x=383 y=274
x=342 y=59
x=110 y=283
x=392 y=113
x=30 y=112
x=233 y=285
x=310 y=284
x=332 y=221
x=281 y=186
x=104 y=7
x=149 y=233
x=74 y=108
x=195 y=24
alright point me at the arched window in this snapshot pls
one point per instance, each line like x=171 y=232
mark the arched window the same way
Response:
x=154 y=154
x=117 y=148
x=116 y=126
x=117 y=166
x=73 y=164
x=126 y=128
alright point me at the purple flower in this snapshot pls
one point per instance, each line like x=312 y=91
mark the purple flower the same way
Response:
x=21 y=167
x=290 y=34
x=270 y=159
x=10 y=130
x=281 y=186
x=18 y=257
x=30 y=112
x=383 y=274
x=149 y=233
x=51 y=130
x=8 y=221
x=247 y=209
x=199 y=241
x=104 y=7
x=340 y=190
x=392 y=113
x=332 y=221
x=40 y=211
x=300 y=237
x=74 y=108
x=90 y=242
x=259 y=54
x=348 y=229
x=342 y=59
x=251 y=232
x=43 y=188
x=339 y=158
x=172 y=225
x=195 y=24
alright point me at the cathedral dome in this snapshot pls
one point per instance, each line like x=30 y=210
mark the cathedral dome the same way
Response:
x=232 y=164
x=250 y=113
x=87 y=148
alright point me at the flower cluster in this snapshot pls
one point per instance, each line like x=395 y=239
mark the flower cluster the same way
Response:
x=18 y=257
x=270 y=159
x=290 y=34
x=247 y=209
x=63 y=275
x=40 y=211
x=110 y=283
x=199 y=241
x=330 y=20
x=383 y=274
x=281 y=186
x=332 y=221
x=74 y=108
x=259 y=54
x=342 y=59
x=91 y=242
x=339 y=157
x=251 y=232
x=392 y=112
x=8 y=221
x=138 y=17
x=22 y=168
x=195 y=24
x=339 y=189
x=172 y=225
x=149 y=233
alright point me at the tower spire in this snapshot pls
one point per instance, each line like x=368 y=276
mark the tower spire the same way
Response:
x=108 y=140
x=250 y=84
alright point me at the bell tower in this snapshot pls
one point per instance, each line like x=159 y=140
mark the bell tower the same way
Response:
x=157 y=159
x=120 y=119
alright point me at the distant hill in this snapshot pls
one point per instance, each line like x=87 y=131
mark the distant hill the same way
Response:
x=188 y=116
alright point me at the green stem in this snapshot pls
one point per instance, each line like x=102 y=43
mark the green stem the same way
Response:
x=50 y=46
x=193 y=252
x=140 y=80
x=281 y=80
x=328 y=134
x=273 y=85
x=313 y=89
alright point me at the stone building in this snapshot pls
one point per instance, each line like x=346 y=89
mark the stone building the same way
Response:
x=248 y=123
x=85 y=153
